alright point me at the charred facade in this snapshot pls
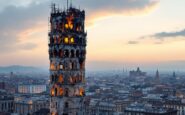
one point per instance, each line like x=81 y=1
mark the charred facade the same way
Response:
x=67 y=54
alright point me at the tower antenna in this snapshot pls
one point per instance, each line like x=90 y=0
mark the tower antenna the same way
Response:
x=70 y=3
x=67 y=4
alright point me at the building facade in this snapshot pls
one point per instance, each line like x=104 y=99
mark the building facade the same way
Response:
x=6 y=102
x=140 y=109
x=27 y=106
x=31 y=89
x=67 y=53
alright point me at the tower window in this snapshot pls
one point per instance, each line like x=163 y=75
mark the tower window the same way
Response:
x=66 y=40
x=55 y=78
x=61 y=79
x=66 y=92
x=70 y=65
x=71 y=80
x=72 y=54
x=77 y=53
x=59 y=40
x=61 y=66
x=55 y=39
x=56 y=92
x=66 y=26
x=66 y=105
x=61 y=53
x=52 y=92
x=61 y=92
x=72 y=40
x=81 y=92
x=66 y=53
x=52 y=66
x=69 y=22
x=52 y=78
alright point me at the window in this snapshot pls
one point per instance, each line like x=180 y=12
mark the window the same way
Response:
x=66 y=92
x=55 y=39
x=66 y=105
x=66 y=26
x=52 y=78
x=61 y=79
x=52 y=66
x=66 y=40
x=66 y=53
x=71 y=80
x=59 y=40
x=72 y=54
x=72 y=40
x=61 y=67
x=56 y=92
x=77 y=53
x=70 y=65
x=81 y=92
x=52 y=92
x=61 y=53
x=61 y=92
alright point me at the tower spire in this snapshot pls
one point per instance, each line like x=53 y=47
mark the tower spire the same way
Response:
x=70 y=3
x=67 y=3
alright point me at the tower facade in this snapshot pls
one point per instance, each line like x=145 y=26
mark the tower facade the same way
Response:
x=67 y=54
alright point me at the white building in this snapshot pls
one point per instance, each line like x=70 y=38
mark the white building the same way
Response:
x=31 y=89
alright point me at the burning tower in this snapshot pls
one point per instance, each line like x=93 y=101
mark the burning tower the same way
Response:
x=67 y=54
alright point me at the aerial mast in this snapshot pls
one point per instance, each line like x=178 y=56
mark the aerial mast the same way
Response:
x=67 y=4
x=70 y=3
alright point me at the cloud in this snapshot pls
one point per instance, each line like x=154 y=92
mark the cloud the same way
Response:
x=120 y=6
x=133 y=42
x=19 y=17
x=18 y=3
x=163 y=35
x=14 y=21
x=105 y=8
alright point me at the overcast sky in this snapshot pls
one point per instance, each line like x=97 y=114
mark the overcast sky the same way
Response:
x=121 y=33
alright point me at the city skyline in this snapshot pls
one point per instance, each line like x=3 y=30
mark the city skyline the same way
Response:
x=131 y=33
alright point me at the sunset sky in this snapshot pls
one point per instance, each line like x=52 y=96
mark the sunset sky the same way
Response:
x=121 y=33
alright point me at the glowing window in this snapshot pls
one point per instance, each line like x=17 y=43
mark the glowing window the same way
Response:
x=52 y=92
x=66 y=40
x=71 y=26
x=81 y=92
x=52 y=66
x=66 y=26
x=61 y=92
x=61 y=67
x=61 y=80
x=72 y=40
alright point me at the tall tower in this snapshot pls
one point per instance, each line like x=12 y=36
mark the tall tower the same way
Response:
x=67 y=54
x=157 y=77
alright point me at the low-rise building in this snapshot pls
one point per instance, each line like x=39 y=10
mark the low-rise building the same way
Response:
x=31 y=89
x=141 y=109
x=24 y=106
x=6 y=102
